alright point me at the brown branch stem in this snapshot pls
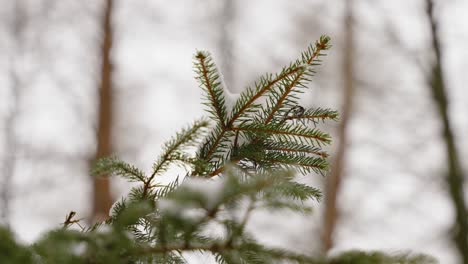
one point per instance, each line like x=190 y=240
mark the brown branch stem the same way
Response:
x=209 y=87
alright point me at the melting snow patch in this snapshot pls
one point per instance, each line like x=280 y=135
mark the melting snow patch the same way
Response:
x=78 y=249
x=211 y=190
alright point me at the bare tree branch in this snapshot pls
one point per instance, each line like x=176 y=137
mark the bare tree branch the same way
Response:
x=17 y=29
x=454 y=175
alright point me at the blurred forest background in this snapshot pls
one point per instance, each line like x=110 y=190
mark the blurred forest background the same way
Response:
x=85 y=79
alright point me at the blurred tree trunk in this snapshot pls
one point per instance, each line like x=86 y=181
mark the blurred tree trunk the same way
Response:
x=333 y=184
x=454 y=175
x=17 y=28
x=102 y=199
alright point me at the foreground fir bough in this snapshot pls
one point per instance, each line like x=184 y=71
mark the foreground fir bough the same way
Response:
x=237 y=161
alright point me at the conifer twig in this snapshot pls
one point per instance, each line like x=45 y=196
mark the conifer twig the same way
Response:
x=303 y=133
x=70 y=221
x=186 y=137
x=246 y=100
x=237 y=114
x=210 y=81
x=308 y=59
x=283 y=97
x=262 y=91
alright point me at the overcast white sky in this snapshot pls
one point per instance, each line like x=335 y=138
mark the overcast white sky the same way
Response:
x=393 y=198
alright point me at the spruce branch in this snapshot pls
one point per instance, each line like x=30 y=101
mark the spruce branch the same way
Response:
x=140 y=193
x=216 y=144
x=301 y=192
x=70 y=220
x=210 y=81
x=266 y=83
x=215 y=247
x=117 y=209
x=257 y=149
x=287 y=132
x=315 y=115
x=283 y=93
x=293 y=147
x=261 y=186
x=112 y=165
x=303 y=163
x=290 y=77
x=245 y=103
x=165 y=190
x=173 y=149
